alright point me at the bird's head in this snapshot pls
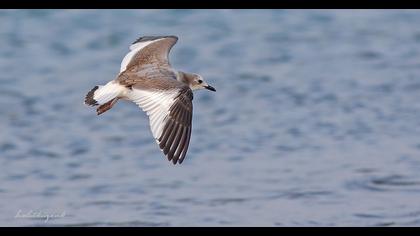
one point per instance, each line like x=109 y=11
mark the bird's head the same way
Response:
x=195 y=81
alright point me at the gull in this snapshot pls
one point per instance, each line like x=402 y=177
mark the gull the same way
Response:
x=163 y=93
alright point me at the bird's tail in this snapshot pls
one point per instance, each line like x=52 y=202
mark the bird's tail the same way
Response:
x=89 y=100
x=103 y=95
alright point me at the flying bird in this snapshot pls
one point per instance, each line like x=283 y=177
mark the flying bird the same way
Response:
x=165 y=94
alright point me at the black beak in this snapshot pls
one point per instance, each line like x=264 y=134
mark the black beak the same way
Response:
x=210 y=88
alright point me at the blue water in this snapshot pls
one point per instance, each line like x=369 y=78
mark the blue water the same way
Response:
x=315 y=122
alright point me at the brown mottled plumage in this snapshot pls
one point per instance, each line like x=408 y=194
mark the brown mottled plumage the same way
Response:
x=166 y=95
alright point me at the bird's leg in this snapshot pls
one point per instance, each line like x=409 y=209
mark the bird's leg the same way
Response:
x=106 y=106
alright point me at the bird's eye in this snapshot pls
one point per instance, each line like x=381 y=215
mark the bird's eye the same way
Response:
x=200 y=81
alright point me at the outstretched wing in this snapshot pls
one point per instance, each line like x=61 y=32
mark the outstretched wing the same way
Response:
x=148 y=51
x=170 y=115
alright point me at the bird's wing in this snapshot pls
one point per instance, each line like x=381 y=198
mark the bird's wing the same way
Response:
x=168 y=103
x=148 y=51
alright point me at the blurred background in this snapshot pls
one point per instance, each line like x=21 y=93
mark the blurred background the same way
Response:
x=315 y=122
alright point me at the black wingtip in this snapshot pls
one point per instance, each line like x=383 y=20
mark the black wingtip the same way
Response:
x=177 y=162
x=151 y=38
